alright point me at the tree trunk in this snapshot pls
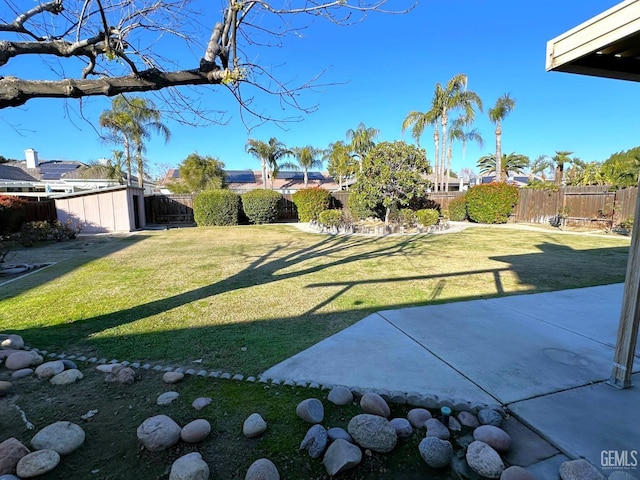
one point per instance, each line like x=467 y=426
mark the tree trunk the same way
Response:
x=446 y=181
x=264 y=174
x=498 y=153
x=445 y=120
x=559 y=173
x=387 y=214
x=127 y=158
x=306 y=177
x=436 y=161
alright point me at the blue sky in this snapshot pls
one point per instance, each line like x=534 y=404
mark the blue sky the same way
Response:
x=381 y=69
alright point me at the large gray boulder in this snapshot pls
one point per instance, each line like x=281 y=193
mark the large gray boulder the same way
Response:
x=373 y=432
x=517 y=473
x=310 y=410
x=49 y=369
x=66 y=377
x=340 y=396
x=195 y=431
x=340 y=456
x=14 y=342
x=375 y=405
x=579 y=470
x=22 y=359
x=418 y=417
x=189 y=467
x=11 y=451
x=254 y=425
x=315 y=441
x=37 y=463
x=435 y=452
x=262 y=469
x=158 y=433
x=435 y=428
x=484 y=460
x=63 y=437
x=495 y=437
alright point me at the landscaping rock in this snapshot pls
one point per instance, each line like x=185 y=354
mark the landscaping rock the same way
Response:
x=579 y=470
x=402 y=426
x=517 y=473
x=189 y=467
x=373 y=432
x=201 y=402
x=37 y=463
x=435 y=452
x=49 y=369
x=4 y=387
x=66 y=377
x=454 y=425
x=488 y=416
x=158 y=433
x=336 y=433
x=340 y=396
x=68 y=364
x=23 y=372
x=167 y=397
x=495 y=437
x=14 y=342
x=418 y=417
x=11 y=451
x=315 y=441
x=8 y=476
x=341 y=456
x=254 y=425
x=262 y=469
x=310 y=410
x=484 y=460
x=195 y=431
x=6 y=353
x=435 y=428
x=468 y=419
x=63 y=437
x=22 y=359
x=172 y=377
x=121 y=374
x=375 y=405
x=108 y=367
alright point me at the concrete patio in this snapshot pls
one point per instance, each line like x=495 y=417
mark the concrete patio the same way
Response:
x=545 y=357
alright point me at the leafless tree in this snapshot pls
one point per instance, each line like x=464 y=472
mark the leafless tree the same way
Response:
x=108 y=47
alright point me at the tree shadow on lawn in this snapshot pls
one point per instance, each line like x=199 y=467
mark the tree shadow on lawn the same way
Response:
x=271 y=340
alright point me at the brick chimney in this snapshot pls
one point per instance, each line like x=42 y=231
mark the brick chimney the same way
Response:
x=32 y=158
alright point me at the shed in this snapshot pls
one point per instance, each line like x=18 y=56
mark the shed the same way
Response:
x=113 y=209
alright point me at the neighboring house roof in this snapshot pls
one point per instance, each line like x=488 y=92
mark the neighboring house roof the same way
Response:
x=245 y=180
x=14 y=173
x=48 y=170
x=517 y=180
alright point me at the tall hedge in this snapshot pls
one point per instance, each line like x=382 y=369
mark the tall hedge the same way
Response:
x=12 y=213
x=458 y=209
x=262 y=206
x=216 y=207
x=492 y=202
x=310 y=202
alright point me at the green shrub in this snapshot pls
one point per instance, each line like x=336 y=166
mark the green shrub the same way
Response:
x=12 y=213
x=407 y=217
x=458 y=209
x=330 y=218
x=310 y=202
x=32 y=232
x=216 y=207
x=491 y=203
x=627 y=223
x=358 y=207
x=262 y=206
x=427 y=217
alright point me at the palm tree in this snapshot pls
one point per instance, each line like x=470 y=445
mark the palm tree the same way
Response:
x=503 y=107
x=341 y=164
x=559 y=159
x=362 y=140
x=512 y=163
x=419 y=120
x=452 y=97
x=269 y=153
x=130 y=122
x=460 y=133
x=306 y=158
x=538 y=166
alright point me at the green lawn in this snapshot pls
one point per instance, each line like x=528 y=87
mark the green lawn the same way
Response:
x=244 y=298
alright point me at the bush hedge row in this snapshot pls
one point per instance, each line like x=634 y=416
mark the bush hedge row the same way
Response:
x=310 y=202
x=491 y=203
x=262 y=206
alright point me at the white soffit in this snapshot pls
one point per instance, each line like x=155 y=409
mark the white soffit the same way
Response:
x=608 y=45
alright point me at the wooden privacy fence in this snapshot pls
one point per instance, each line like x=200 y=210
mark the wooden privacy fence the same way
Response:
x=40 y=211
x=593 y=205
